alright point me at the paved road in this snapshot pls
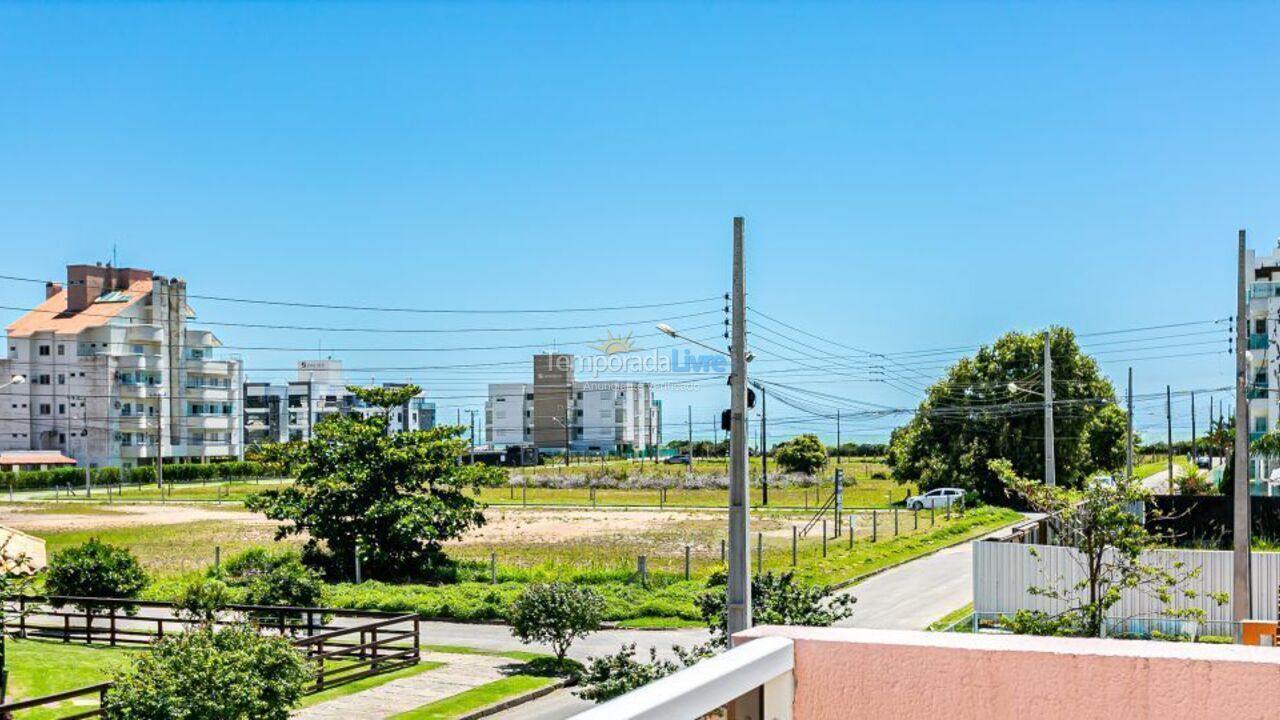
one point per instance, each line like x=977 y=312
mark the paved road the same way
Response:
x=914 y=595
x=498 y=637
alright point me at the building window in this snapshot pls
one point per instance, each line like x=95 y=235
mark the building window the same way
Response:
x=62 y=349
x=44 y=350
x=62 y=379
x=42 y=380
x=62 y=438
x=137 y=350
x=45 y=408
x=62 y=409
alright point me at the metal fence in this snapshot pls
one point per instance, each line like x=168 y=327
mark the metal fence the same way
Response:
x=1004 y=572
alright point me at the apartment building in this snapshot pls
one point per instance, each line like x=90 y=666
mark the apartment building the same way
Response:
x=1263 y=330
x=556 y=412
x=115 y=376
x=291 y=411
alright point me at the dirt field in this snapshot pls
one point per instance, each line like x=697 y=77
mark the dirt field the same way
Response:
x=34 y=518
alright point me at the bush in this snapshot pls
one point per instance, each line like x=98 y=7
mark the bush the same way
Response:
x=272 y=578
x=804 y=454
x=95 y=570
x=203 y=674
x=609 y=676
x=556 y=613
x=775 y=600
x=203 y=599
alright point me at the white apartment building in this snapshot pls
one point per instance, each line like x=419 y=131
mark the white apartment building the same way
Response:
x=291 y=411
x=602 y=416
x=1263 y=349
x=114 y=376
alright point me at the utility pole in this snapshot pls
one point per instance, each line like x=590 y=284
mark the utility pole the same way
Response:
x=690 y=442
x=764 y=451
x=1168 y=429
x=1193 y=427
x=473 y=436
x=739 y=569
x=838 y=441
x=1128 y=431
x=1240 y=527
x=1050 y=463
x=1208 y=434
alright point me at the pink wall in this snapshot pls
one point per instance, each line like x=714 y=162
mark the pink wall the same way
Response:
x=872 y=674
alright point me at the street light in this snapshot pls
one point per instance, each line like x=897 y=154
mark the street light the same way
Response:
x=668 y=330
x=1013 y=388
x=15 y=380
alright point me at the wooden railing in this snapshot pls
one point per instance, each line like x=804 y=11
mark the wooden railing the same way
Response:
x=371 y=643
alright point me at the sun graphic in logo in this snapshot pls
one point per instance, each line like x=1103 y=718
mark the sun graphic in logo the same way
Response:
x=615 y=345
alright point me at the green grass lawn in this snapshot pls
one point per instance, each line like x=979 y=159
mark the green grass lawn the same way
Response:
x=41 y=667
x=476 y=698
x=192 y=491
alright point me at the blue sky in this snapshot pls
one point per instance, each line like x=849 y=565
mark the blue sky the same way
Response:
x=913 y=175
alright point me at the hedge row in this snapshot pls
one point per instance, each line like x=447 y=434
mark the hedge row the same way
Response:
x=41 y=479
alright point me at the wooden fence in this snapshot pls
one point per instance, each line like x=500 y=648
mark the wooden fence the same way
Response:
x=342 y=645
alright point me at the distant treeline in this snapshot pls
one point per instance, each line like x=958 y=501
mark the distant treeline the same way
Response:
x=706 y=448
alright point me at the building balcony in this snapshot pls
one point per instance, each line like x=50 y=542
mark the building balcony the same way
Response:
x=209 y=367
x=139 y=362
x=799 y=673
x=140 y=390
x=140 y=452
x=1263 y=290
x=198 y=393
x=1257 y=391
x=201 y=449
x=144 y=333
x=135 y=423
x=1257 y=341
x=210 y=422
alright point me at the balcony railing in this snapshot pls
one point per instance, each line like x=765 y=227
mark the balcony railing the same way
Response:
x=756 y=676
x=1257 y=341
x=1264 y=290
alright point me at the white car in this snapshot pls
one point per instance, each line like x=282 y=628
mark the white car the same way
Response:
x=938 y=498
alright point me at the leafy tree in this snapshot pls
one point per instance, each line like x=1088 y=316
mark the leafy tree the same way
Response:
x=203 y=599
x=392 y=497
x=229 y=674
x=1109 y=541
x=556 y=613
x=272 y=578
x=974 y=416
x=94 y=570
x=802 y=454
x=1105 y=439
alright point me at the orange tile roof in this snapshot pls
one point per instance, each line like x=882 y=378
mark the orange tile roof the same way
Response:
x=35 y=458
x=52 y=316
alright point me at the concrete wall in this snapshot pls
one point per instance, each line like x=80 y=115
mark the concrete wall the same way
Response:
x=882 y=674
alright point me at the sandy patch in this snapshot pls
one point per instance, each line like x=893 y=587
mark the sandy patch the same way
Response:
x=549 y=526
x=29 y=518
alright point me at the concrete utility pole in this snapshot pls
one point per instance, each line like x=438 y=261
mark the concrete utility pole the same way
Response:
x=1168 y=429
x=1050 y=463
x=1240 y=528
x=1193 y=427
x=838 y=462
x=473 y=436
x=764 y=450
x=739 y=570
x=1129 y=431
x=690 y=442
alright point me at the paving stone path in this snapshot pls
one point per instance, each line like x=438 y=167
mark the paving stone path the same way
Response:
x=460 y=673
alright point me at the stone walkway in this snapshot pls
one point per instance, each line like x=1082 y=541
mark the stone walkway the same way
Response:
x=460 y=673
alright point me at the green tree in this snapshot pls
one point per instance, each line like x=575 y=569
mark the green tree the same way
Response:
x=1109 y=540
x=94 y=570
x=202 y=599
x=985 y=410
x=272 y=578
x=1105 y=439
x=232 y=673
x=392 y=497
x=802 y=454
x=556 y=613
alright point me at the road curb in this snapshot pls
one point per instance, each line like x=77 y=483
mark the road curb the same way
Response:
x=503 y=705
